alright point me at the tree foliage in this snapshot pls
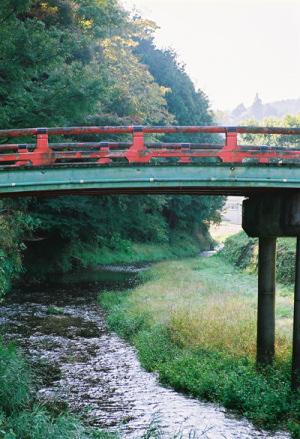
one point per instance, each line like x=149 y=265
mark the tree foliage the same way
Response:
x=141 y=218
x=16 y=227
x=89 y=217
x=190 y=107
x=64 y=63
x=288 y=121
x=184 y=212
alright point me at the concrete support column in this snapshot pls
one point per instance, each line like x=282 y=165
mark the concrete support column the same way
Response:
x=266 y=301
x=296 y=329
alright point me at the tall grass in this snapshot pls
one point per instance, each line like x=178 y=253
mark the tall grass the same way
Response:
x=194 y=324
x=15 y=381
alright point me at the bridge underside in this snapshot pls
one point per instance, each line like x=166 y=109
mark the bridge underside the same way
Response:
x=202 y=179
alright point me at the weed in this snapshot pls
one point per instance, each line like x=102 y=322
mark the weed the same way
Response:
x=55 y=310
x=15 y=380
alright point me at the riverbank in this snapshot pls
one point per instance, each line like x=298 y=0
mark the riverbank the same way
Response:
x=127 y=252
x=242 y=251
x=39 y=264
x=194 y=324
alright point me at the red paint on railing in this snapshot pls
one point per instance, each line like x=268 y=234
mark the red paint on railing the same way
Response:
x=138 y=151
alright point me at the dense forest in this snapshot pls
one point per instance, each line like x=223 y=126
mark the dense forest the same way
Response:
x=86 y=62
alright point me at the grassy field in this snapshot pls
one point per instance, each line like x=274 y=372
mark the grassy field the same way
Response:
x=194 y=324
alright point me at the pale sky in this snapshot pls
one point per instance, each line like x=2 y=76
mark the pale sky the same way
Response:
x=232 y=49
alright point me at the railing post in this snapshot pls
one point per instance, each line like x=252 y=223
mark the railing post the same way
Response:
x=185 y=147
x=22 y=150
x=42 y=154
x=231 y=138
x=105 y=148
x=227 y=153
x=137 y=153
x=138 y=138
x=42 y=139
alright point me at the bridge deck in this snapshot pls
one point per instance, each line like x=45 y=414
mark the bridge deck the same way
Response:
x=212 y=179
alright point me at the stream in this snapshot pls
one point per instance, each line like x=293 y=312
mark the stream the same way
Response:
x=98 y=374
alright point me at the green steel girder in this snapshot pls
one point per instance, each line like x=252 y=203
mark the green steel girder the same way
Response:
x=213 y=179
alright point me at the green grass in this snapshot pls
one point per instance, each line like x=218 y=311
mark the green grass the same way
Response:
x=122 y=252
x=194 y=324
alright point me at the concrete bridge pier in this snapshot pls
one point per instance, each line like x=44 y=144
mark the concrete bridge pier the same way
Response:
x=266 y=301
x=269 y=217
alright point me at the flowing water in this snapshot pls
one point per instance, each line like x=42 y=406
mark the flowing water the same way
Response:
x=96 y=373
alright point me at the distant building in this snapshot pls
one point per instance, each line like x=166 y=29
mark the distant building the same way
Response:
x=256 y=109
x=232 y=211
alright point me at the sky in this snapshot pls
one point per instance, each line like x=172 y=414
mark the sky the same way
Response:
x=232 y=49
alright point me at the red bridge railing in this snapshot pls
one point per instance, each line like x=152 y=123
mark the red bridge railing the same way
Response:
x=43 y=153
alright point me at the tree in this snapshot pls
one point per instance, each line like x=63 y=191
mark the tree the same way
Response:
x=68 y=62
x=87 y=218
x=189 y=213
x=190 y=107
x=134 y=92
x=288 y=121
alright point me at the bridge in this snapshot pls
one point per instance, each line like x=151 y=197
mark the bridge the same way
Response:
x=268 y=175
x=138 y=166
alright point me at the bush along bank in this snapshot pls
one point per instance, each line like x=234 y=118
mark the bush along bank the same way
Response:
x=242 y=251
x=194 y=324
x=47 y=259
